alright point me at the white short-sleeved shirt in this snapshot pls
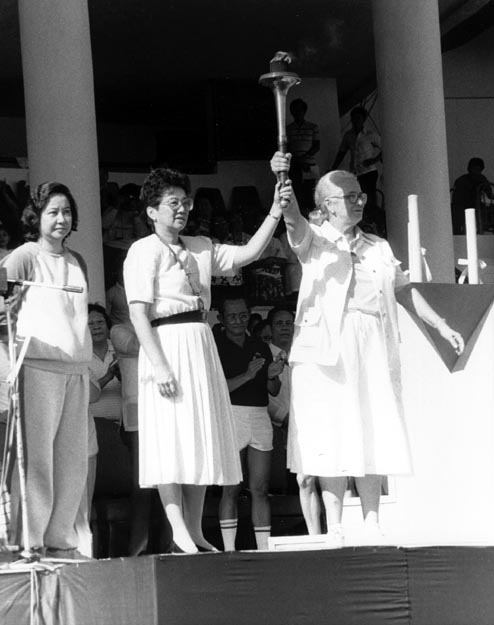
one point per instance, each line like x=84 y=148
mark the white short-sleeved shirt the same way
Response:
x=153 y=275
x=326 y=260
x=56 y=320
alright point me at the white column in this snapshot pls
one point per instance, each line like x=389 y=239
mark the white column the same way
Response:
x=411 y=105
x=60 y=115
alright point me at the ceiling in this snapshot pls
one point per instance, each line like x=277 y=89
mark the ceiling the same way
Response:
x=153 y=55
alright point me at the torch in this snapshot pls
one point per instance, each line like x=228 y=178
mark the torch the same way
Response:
x=279 y=80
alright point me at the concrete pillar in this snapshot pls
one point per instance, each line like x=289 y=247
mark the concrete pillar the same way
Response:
x=411 y=103
x=60 y=115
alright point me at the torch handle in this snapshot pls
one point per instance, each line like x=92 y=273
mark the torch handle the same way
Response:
x=280 y=101
x=282 y=177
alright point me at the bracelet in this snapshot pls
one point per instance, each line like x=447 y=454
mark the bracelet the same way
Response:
x=274 y=377
x=273 y=217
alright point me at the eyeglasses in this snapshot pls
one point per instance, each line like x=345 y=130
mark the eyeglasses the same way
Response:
x=232 y=317
x=175 y=203
x=352 y=197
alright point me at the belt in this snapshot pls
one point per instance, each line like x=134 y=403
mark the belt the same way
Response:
x=192 y=316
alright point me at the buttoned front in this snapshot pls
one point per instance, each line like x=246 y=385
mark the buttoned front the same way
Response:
x=346 y=414
x=326 y=258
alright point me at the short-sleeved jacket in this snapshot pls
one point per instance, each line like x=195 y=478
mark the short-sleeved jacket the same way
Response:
x=326 y=273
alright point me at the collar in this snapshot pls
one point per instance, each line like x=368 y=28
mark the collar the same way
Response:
x=334 y=235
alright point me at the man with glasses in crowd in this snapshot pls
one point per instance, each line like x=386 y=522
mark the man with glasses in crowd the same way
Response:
x=252 y=375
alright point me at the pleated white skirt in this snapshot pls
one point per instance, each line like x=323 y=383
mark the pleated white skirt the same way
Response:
x=189 y=439
x=348 y=419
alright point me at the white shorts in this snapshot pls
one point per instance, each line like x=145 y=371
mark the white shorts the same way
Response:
x=253 y=427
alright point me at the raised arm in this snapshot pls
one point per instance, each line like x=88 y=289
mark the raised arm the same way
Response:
x=295 y=223
x=250 y=252
x=414 y=302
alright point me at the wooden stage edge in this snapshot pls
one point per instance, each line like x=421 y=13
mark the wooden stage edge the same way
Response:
x=426 y=585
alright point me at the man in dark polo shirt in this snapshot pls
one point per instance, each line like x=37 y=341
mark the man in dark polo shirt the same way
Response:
x=251 y=375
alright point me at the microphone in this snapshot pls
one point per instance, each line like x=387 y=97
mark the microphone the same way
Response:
x=6 y=284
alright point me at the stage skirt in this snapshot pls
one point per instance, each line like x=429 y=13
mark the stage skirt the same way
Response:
x=347 y=420
x=189 y=439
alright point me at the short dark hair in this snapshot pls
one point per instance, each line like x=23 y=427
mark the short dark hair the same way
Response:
x=476 y=162
x=159 y=181
x=40 y=198
x=93 y=307
x=130 y=190
x=258 y=328
x=277 y=309
x=233 y=297
x=359 y=110
x=298 y=103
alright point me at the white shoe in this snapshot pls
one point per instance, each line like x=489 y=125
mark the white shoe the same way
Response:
x=335 y=538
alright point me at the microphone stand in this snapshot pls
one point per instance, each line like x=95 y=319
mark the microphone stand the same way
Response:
x=15 y=415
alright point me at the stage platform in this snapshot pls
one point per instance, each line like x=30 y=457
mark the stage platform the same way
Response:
x=350 y=586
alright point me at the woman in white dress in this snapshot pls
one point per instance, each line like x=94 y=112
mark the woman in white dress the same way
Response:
x=186 y=436
x=346 y=414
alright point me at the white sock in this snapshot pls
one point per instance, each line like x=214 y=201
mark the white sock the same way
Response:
x=228 y=533
x=262 y=535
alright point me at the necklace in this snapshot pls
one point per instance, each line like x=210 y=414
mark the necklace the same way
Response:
x=194 y=284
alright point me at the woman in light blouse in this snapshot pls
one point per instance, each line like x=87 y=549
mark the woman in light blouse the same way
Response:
x=186 y=437
x=346 y=416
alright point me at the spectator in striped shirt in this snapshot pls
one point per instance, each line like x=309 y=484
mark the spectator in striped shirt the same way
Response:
x=303 y=144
